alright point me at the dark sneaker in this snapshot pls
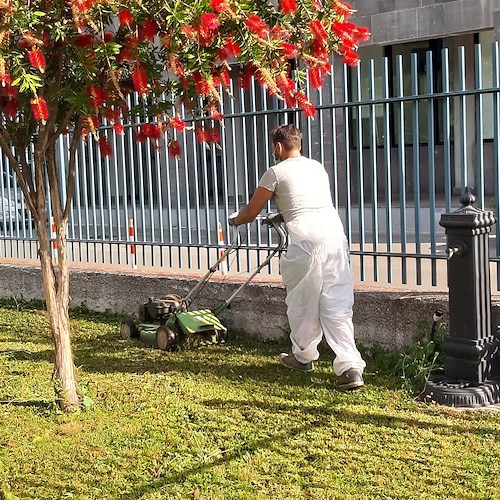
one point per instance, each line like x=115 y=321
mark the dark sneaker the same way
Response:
x=350 y=380
x=289 y=361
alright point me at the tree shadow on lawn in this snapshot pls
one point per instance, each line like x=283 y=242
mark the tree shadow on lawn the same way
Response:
x=313 y=416
x=25 y=355
x=271 y=442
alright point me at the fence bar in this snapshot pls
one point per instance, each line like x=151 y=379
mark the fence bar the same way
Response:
x=416 y=163
x=431 y=132
x=478 y=74
x=402 y=164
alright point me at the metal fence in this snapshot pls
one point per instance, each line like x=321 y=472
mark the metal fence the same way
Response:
x=400 y=138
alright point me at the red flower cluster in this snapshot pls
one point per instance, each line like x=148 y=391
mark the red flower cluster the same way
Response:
x=37 y=60
x=220 y=6
x=256 y=25
x=148 y=30
x=140 y=81
x=95 y=96
x=349 y=35
x=174 y=148
x=5 y=78
x=104 y=146
x=288 y=6
x=290 y=50
x=40 y=109
x=11 y=108
x=125 y=18
x=229 y=49
x=342 y=8
x=177 y=123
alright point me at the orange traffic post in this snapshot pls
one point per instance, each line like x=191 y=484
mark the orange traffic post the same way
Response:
x=220 y=241
x=131 y=238
x=53 y=237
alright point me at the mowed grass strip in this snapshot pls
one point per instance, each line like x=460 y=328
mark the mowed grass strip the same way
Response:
x=223 y=422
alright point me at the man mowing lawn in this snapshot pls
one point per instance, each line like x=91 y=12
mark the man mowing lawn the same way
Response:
x=315 y=269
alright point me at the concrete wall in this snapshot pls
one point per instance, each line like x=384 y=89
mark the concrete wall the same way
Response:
x=394 y=21
x=387 y=318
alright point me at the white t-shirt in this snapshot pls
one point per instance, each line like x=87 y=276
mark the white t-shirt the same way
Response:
x=301 y=188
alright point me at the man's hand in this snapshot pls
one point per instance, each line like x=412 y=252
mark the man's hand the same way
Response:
x=232 y=219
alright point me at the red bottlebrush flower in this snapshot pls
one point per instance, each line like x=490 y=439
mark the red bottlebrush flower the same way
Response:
x=285 y=83
x=37 y=60
x=224 y=77
x=220 y=6
x=200 y=133
x=288 y=6
x=315 y=77
x=319 y=51
x=125 y=17
x=209 y=21
x=342 y=8
x=84 y=41
x=140 y=137
x=174 y=148
x=230 y=48
x=350 y=58
x=213 y=135
x=5 y=78
x=362 y=33
x=148 y=30
x=11 y=108
x=131 y=41
x=108 y=37
x=151 y=130
x=318 y=30
x=125 y=55
x=119 y=128
x=214 y=113
x=140 y=81
x=256 y=25
x=104 y=146
x=290 y=100
x=177 y=123
x=245 y=78
x=306 y=105
x=39 y=109
x=201 y=84
x=95 y=96
x=290 y=50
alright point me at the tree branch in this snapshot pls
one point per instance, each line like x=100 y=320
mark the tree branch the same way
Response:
x=70 y=187
x=15 y=165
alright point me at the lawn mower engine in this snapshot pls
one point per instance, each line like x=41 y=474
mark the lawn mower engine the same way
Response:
x=159 y=309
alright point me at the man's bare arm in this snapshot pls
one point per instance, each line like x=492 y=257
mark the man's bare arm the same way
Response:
x=255 y=205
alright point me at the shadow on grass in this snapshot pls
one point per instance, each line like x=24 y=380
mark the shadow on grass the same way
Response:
x=314 y=416
x=271 y=442
x=24 y=355
x=40 y=404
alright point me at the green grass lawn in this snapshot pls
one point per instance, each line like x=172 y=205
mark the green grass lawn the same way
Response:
x=223 y=422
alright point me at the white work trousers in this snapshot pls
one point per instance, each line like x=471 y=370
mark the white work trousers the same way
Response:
x=320 y=297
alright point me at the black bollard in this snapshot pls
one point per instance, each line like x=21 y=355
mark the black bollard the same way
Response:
x=472 y=359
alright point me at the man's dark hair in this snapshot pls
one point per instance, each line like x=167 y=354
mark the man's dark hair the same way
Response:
x=289 y=135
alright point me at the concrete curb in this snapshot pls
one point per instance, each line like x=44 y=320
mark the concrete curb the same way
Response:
x=389 y=318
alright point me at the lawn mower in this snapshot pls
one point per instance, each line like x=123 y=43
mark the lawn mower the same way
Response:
x=168 y=324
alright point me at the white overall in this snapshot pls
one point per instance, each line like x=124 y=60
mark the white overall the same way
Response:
x=315 y=269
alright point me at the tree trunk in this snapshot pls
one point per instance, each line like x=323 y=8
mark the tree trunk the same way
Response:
x=56 y=285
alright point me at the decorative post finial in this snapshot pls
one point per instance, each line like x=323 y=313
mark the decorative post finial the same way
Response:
x=467 y=199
